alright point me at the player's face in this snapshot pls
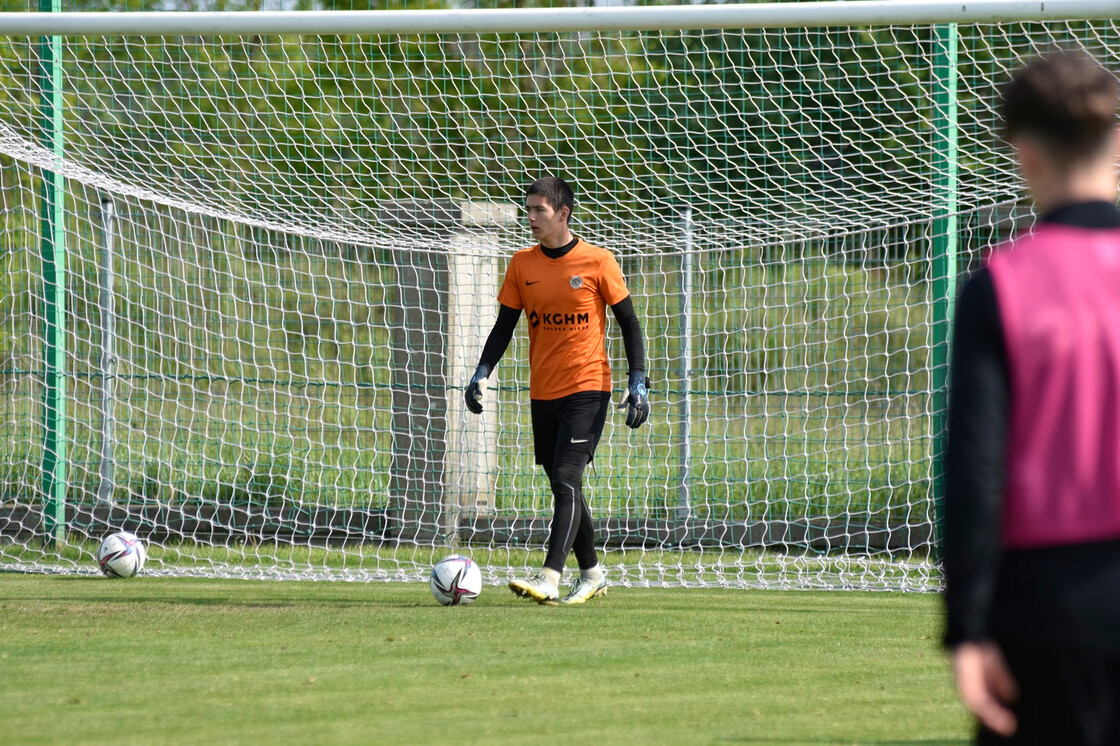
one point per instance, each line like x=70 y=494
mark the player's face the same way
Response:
x=549 y=226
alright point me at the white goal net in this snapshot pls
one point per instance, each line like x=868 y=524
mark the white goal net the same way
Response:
x=245 y=335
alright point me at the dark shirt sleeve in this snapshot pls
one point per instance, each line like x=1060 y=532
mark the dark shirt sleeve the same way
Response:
x=500 y=336
x=979 y=402
x=631 y=334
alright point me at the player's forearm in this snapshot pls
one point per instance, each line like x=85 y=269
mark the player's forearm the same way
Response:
x=500 y=337
x=631 y=334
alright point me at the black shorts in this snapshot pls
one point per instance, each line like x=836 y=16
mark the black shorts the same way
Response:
x=574 y=423
x=1067 y=695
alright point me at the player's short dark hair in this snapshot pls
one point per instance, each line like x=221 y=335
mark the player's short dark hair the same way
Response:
x=1067 y=101
x=555 y=191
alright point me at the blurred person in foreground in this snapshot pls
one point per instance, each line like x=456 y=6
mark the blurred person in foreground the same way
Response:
x=1032 y=501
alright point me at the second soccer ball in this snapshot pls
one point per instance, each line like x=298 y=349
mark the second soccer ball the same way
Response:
x=456 y=580
x=121 y=555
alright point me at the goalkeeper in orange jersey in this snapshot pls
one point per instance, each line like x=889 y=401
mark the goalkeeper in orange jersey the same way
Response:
x=564 y=285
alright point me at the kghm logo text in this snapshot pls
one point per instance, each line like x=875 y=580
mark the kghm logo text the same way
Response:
x=555 y=320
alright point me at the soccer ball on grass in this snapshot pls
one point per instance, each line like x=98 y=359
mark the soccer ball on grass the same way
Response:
x=456 y=580
x=121 y=555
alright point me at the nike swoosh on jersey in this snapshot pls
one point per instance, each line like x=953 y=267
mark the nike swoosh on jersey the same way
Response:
x=534 y=282
x=579 y=441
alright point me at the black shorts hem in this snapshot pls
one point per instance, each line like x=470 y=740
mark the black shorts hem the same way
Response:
x=573 y=423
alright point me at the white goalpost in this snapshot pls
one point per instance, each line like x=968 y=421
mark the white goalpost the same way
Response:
x=248 y=262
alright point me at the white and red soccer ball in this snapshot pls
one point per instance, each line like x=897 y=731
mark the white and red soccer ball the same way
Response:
x=121 y=555
x=456 y=580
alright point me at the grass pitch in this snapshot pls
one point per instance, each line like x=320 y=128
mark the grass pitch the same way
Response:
x=160 y=660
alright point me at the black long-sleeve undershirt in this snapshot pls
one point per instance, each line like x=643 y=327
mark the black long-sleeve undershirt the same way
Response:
x=974 y=457
x=631 y=330
x=1058 y=595
x=506 y=323
x=500 y=336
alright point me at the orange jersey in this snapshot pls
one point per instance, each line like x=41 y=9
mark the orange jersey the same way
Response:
x=565 y=302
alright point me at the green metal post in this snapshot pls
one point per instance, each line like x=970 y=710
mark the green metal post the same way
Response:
x=52 y=247
x=945 y=237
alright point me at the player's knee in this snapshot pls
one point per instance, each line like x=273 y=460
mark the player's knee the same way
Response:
x=566 y=490
x=568 y=474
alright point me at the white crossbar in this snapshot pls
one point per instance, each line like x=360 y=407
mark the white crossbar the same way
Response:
x=531 y=20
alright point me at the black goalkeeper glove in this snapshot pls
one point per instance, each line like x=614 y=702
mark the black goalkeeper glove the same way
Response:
x=637 y=398
x=476 y=389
